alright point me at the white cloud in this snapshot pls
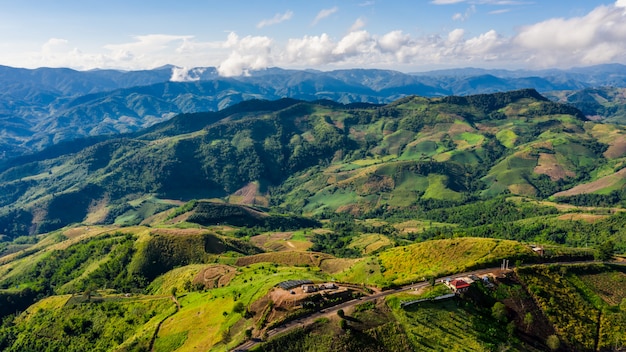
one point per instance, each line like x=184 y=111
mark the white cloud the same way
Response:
x=278 y=18
x=599 y=36
x=185 y=74
x=497 y=12
x=247 y=53
x=456 y=35
x=354 y=43
x=357 y=25
x=54 y=45
x=446 y=2
x=596 y=37
x=464 y=16
x=309 y=50
x=323 y=14
x=393 y=41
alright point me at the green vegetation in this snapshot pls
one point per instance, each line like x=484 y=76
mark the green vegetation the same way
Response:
x=448 y=325
x=368 y=197
x=572 y=299
x=402 y=265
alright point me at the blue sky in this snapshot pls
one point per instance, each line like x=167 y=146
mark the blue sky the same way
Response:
x=237 y=36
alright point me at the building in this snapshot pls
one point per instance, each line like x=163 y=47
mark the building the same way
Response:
x=458 y=285
x=327 y=286
x=309 y=288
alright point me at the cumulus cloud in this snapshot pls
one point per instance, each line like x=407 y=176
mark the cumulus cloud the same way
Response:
x=597 y=37
x=323 y=14
x=186 y=74
x=247 y=53
x=309 y=50
x=54 y=45
x=278 y=18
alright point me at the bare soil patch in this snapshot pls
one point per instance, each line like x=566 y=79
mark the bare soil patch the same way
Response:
x=596 y=185
x=285 y=258
x=178 y=232
x=617 y=148
x=590 y=218
x=548 y=165
x=215 y=276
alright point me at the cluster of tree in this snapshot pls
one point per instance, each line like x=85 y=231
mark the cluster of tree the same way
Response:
x=617 y=197
x=208 y=213
x=50 y=274
x=497 y=210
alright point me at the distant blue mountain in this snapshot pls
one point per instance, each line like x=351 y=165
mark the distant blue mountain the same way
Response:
x=44 y=106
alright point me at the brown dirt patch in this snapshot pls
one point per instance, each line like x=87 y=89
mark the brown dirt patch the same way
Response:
x=249 y=194
x=596 y=185
x=215 y=276
x=617 y=148
x=376 y=184
x=178 y=232
x=265 y=240
x=548 y=165
x=590 y=218
x=285 y=258
x=458 y=128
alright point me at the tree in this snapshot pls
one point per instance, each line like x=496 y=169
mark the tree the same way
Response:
x=528 y=320
x=553 y=342
x=498 y=311
x=605 y=251
x=174 y=290
x=431 y=281
x=238 y=308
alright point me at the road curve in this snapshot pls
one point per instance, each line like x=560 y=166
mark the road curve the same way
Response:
x=327 y=312
x=330 y=311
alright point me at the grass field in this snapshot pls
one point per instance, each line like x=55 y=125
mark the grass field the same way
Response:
x=445 y=326
x=207 y=321
x=436 y=258
x=437 y=188
x=368 y=244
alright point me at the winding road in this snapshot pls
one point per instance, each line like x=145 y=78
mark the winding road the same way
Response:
x=330 y=311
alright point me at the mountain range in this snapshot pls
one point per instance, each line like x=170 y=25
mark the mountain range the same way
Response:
x=321 y=157
x=45 y=106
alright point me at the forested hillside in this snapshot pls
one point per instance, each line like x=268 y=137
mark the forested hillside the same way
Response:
x=317 y=158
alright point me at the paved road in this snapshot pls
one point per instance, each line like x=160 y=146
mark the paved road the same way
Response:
x=328 y=312
x=331 y=311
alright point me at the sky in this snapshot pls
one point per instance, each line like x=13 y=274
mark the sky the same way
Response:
x=237 y=36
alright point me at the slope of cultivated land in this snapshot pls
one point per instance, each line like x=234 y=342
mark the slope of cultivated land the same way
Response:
x=604 y=184
x=286 y=258
x=436 y=258
x=581 y=302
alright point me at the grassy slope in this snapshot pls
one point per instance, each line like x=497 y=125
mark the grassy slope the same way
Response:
x=441 y=257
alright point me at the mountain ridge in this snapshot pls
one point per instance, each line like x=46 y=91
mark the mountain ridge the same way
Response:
x=319 y=157
x=44 y=106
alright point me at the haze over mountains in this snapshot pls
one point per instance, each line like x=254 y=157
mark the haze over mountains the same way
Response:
x=42 y=107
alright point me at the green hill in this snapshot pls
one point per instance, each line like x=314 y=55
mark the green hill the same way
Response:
x=317 y=157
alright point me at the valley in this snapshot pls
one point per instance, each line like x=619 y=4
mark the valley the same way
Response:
x=179 y=236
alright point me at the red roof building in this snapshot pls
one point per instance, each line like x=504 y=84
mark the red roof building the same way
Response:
x=459 y=285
